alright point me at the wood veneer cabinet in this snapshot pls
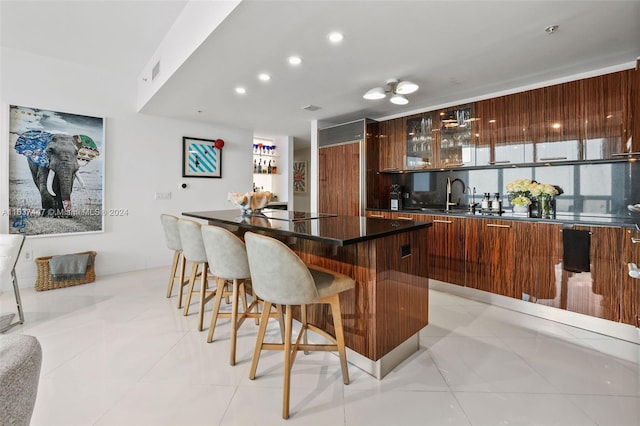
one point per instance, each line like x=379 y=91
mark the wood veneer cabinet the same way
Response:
x=557 y=127
x=635 y=109
x=524 y=260
x=498 y=256
x=607 y=114
x=339 y=179
x=392 y=143
x=596 y=292
x=446 y=256
x=503 y=130
x=588 y=119
x=630 y=294
x=547 y=258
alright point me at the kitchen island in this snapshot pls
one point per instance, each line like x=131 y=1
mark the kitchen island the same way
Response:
x=390 y=303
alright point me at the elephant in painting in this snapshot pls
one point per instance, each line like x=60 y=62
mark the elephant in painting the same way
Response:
x=54 y=161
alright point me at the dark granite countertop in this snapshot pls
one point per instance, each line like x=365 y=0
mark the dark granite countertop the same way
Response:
x=630 y=220
x=325 y=228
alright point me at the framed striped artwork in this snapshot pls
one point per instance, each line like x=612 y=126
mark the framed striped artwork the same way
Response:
x=201 y=158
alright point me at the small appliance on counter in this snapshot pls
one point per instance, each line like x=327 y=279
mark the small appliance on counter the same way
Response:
x=396 y=197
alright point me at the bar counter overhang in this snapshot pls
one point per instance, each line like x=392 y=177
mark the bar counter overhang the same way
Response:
x=388 y=260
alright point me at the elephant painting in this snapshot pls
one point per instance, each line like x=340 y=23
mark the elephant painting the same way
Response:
x=54 y=160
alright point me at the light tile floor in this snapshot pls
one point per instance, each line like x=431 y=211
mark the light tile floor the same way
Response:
x=117 y=352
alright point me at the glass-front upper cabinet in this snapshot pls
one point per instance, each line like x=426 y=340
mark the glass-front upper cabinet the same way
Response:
x=457 y=148
x=420 y=142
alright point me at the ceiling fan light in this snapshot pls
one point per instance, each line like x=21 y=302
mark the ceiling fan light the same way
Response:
x=375 y=93
x=399 y=100
x=406 y=87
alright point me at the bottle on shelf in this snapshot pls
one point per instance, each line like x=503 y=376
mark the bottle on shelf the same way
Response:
x=274 y=168
x=259 y=169
x=269 y=169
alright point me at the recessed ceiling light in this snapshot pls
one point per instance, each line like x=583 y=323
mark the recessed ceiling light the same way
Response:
x=336 y=37
x=241 y=90
x=311 y=107
x=295 y=60
x=264 y=76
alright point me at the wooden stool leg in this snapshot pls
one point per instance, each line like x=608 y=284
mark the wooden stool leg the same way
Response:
x=337 y=325
x=203 y=295
x=287 y=362
x=280 y=320
x=243 y=296
x=174 y=268
x=234 y=322
x=216 y=308
x=183 y=265
x=303 y=317
x=264 y=319
x=192 y=283
x=254 y=300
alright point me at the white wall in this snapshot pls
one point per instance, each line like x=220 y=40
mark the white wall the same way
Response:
x=142 y=156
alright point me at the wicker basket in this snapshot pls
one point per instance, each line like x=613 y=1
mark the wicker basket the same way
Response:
x=45 y=280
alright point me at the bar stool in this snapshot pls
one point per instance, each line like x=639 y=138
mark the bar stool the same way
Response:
x=279 y=276
x=172 y=239
x=193 y=251
x=228 y=262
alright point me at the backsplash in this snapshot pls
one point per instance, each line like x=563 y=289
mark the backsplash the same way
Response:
x=593 y=188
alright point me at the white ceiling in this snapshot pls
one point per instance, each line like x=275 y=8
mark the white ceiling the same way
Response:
x=114 y=35
x=453 y=49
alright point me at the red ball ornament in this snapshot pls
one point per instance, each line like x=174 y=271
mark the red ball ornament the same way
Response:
x=219 y=143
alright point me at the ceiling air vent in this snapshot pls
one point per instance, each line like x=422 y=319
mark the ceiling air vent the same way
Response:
x=155 y=71
x=311 y=107
x=342 y=133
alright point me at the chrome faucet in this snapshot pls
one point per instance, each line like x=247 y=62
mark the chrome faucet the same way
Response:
x=449 y=186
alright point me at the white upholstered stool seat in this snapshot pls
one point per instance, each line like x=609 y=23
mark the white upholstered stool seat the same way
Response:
x=194 y=252
x=280 y=277
x=172 y=239
x=228 y=261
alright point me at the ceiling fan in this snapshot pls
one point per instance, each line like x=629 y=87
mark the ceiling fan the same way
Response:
x=396 y=88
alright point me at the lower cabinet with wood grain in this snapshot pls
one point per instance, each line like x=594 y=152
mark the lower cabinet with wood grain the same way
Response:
x=528 y=261
x=591 y=290
x=630 y=292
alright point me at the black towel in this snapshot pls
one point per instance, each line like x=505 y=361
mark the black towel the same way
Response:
x=576 y=247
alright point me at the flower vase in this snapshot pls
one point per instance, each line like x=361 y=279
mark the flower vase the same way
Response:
x=544 y=207
x=521 y=210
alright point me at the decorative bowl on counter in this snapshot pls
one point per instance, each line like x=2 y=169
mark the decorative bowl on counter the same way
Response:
x=250 y=201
